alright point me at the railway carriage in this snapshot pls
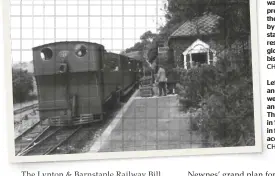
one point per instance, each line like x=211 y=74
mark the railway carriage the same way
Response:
x=76 y=79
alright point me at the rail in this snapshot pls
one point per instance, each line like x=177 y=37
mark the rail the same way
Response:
x=26 y=108
x=38 y=141
x=49 y=140
x=27 y=130
x=22 y=141
x=50 y=150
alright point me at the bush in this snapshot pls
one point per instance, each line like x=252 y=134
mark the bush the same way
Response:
x=22 y=85
x=223 y=97
x=198 y=82
x=229 y=119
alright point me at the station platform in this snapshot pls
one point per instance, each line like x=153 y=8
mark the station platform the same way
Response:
x=153 y=123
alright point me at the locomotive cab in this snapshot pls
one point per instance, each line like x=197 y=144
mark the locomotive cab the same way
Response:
x=70 y=82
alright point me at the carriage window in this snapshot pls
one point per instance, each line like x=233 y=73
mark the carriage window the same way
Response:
x=111 y=64
x=46 y=54
x=81 y=50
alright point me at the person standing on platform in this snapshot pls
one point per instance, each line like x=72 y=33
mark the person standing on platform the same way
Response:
x=161 y=79
x=171 y=82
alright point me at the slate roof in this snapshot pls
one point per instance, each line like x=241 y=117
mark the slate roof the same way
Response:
x=204 y=25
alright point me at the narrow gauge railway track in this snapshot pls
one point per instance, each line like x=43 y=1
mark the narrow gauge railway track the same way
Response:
x=24 y=139
x=49 y=140
x=26 y=108
x=83 y=140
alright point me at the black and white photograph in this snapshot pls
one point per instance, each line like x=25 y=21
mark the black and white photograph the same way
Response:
x=118 y=76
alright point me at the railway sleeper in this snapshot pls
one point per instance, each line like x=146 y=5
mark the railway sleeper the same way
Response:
x=50 y=150
x=33 y=144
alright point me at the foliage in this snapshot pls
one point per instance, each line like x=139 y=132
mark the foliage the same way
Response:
x=202 y=79
x=235 y=23
x=222 y=95
x=226 y=96
x=148 y=36
x=152 y=52
x=146 y=40
x=236 y=15
x=139 y=46
x=22 y=82
x=148 y=46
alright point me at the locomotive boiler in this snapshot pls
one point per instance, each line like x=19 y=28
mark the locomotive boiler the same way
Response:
x=75 y=80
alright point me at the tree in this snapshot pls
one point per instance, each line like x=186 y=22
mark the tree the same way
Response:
x=148 y=36
x=226 y=91
x=145 y=41
x=137 y=47
x=152 y=52
x=235 y=14
x=147 y=45
x=22 y=82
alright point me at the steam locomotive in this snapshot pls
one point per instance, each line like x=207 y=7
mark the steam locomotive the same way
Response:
x=76 y=80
